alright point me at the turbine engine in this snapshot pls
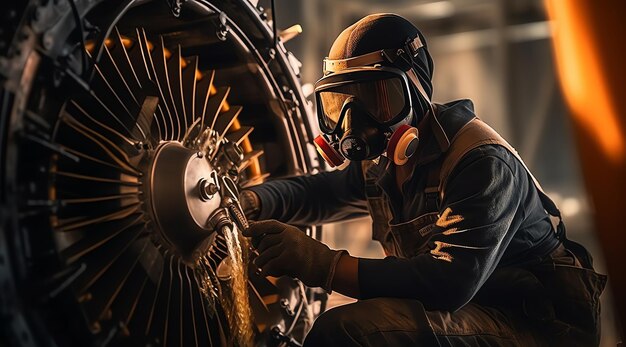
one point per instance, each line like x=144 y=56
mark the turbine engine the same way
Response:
x=128 y=129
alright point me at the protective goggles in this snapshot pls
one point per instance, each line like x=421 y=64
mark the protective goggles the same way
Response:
x=382 y=91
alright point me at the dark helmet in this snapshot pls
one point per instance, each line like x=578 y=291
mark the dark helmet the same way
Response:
x=385 y=31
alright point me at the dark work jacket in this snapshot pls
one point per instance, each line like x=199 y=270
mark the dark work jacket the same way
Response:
x=493 y=217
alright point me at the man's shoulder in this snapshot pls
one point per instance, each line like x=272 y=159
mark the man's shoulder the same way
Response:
x=474 y=141
x=495 y=151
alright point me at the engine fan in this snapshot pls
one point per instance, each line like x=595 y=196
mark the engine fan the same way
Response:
x=123 y=160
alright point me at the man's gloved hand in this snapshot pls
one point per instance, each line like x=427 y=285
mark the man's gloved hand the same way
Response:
x=250 y=203
x=286 y=250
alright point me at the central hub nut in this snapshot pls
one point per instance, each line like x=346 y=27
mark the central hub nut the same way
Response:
x=207 y=189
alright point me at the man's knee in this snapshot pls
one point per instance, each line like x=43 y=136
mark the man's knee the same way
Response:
x=335 y=327
x=368 y=322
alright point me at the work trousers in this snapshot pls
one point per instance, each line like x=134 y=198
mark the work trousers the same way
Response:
x=554 y=304
x=403 y=322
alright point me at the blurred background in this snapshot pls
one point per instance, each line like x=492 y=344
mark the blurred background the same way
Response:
x=497 y=53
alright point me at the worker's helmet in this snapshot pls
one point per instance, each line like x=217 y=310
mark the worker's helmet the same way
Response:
x=376 y=87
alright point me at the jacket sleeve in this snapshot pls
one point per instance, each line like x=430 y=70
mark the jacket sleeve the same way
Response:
x=481 y=211
x=307 y=200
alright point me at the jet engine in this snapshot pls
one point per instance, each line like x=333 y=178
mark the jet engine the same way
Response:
x=127 y=130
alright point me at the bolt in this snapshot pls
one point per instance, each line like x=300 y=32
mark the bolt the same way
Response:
x=207 y=189
x=211 y=189
x=222 y=33
x=199 y=154
x=223 y=18
x=284 y=303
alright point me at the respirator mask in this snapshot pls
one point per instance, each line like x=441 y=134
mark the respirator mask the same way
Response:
x=366 y=110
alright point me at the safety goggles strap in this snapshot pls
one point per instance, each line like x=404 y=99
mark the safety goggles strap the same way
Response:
x=415 y=44
x=334 y=65
x=440 y=134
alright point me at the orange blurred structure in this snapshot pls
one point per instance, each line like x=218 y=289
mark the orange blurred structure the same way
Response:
x=590 y=56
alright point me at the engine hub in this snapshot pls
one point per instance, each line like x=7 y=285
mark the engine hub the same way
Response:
x=184 y=195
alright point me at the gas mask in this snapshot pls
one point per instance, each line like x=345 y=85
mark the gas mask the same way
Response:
x=362 y=137
x=367 y=111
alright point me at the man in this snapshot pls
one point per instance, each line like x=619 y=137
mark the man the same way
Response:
x=473 y=255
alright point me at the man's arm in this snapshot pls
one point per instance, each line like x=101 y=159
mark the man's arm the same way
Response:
x=480 y=214
x=307 y=200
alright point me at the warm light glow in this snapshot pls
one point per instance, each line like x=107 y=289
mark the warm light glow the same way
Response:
x=199 y=75
x=584 y=86
x=91 y=45
x=570 y=207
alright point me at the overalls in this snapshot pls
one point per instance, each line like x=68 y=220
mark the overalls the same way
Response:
x=551 y=303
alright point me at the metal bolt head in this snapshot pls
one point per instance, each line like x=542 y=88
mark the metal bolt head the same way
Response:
x=211 y=188
x=207 y=189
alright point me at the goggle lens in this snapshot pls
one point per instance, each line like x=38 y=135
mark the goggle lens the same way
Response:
x=384 y=99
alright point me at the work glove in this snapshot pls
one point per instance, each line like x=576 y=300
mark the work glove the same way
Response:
x=250 y=204
x=286 y=250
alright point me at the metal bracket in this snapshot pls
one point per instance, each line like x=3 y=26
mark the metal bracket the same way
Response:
x=175 y=6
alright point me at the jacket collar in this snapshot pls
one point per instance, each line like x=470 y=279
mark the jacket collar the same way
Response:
x=439 y=130
x=435 y=133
